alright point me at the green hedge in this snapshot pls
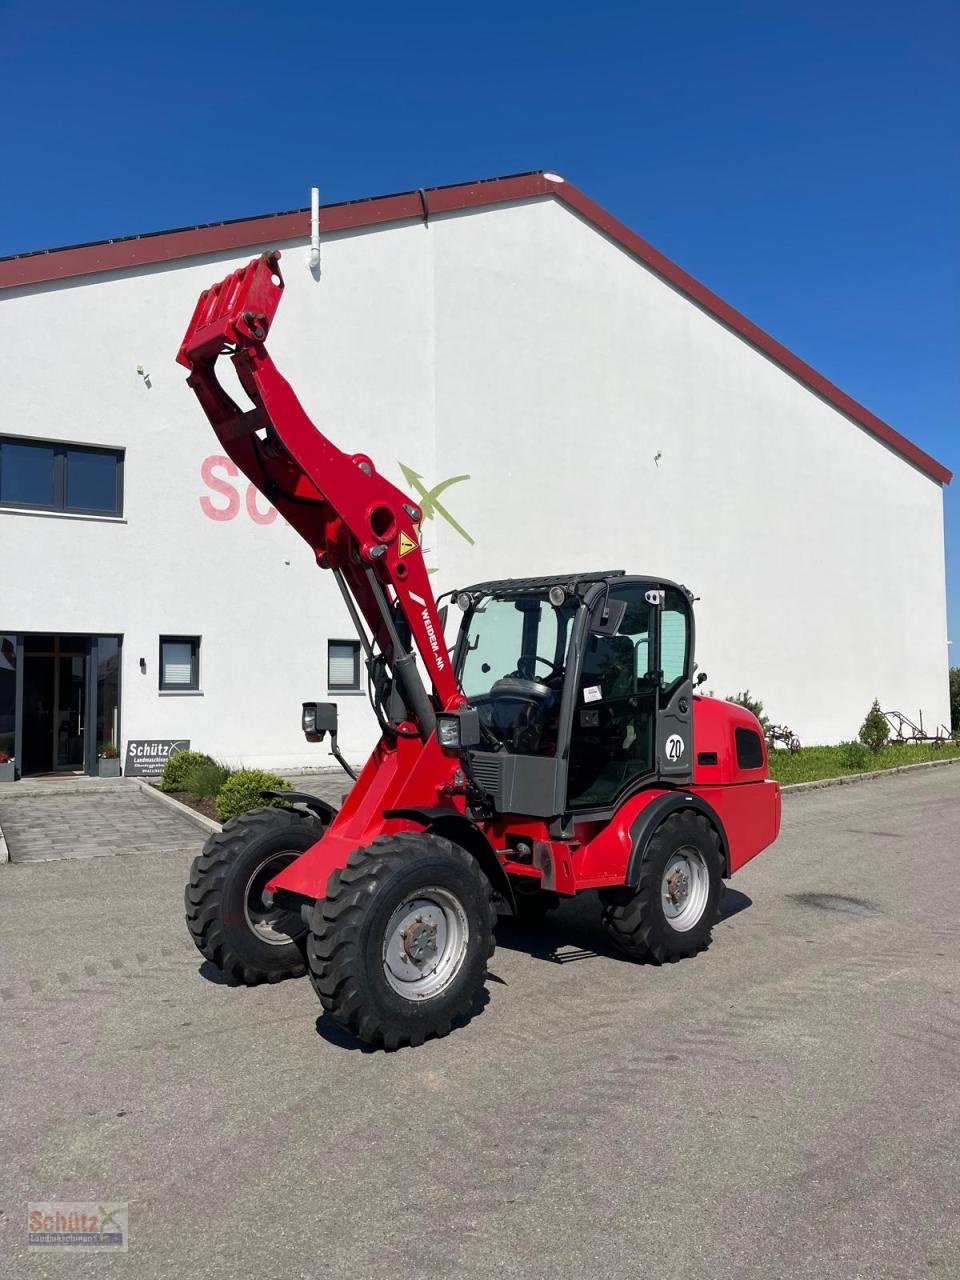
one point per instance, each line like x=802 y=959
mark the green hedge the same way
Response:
x=205 y=778
x=241 y=792
x=178 y=766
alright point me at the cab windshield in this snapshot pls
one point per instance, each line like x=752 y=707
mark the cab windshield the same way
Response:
x=514 y=657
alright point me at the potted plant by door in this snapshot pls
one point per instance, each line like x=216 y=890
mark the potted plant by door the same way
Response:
x=109 y=761
x=8 y=767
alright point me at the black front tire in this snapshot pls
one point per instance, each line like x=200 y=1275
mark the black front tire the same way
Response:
x=636 y=919
x=348 y=943
x=225 y=914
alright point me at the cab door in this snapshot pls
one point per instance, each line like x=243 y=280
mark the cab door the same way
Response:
x=613 y=735
x=675 y=695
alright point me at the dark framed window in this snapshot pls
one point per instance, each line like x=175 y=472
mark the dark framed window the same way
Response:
x=749 y=749
x=51 y=476
x=343 y=666
x=179 y=664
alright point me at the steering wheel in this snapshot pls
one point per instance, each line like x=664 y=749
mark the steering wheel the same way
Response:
x=555 y=669
x=518 y=687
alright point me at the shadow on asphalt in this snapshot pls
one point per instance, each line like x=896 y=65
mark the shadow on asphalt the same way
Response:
x=573 y=932
x=336 y=1035
x=566 y=935
x=210 y=973
x=732 y=903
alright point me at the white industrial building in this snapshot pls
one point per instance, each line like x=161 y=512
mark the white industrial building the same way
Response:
x=556 y=392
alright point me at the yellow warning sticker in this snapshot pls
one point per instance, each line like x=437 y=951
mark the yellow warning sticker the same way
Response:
x=407 y=544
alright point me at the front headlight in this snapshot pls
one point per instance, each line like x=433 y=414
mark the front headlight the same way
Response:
x=448 y=732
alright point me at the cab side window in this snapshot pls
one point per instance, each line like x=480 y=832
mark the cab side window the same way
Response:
x=674 y=641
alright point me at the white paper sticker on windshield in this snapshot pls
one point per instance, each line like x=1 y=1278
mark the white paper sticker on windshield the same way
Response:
x=591 y=693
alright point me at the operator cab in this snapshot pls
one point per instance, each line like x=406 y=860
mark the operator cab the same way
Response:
x=582 y=685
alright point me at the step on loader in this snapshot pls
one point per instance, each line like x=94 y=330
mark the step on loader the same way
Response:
x=560 y=746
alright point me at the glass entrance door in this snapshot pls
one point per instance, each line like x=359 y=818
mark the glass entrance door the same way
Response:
x=71 y=686
x=54 y=703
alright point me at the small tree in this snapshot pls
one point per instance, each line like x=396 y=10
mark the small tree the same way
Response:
x=955 y=698
x=753 y=705
x=874 y=732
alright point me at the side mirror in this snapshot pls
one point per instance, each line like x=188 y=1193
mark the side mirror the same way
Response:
x=607 y=622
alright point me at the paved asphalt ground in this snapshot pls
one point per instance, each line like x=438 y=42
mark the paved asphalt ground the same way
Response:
x=785 y=1104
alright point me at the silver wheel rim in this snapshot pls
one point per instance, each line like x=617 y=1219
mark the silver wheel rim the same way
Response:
x=272 y=925
x=685 y=888
x=425 y=944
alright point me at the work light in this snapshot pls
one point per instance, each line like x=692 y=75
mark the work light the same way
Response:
x=464 y=601
x=317 y=719
x=458 y=729
x=308 y=722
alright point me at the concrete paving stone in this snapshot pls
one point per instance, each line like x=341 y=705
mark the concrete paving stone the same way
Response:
x=90 y=825
x=784 y=1104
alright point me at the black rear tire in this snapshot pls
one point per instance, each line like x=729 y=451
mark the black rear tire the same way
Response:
x=637 y=920
x=226 y=916
x=354 y=968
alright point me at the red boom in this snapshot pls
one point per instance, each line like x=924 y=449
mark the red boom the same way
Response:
x=355 y=520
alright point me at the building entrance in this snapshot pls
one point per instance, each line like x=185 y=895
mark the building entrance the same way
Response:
x=64 y=700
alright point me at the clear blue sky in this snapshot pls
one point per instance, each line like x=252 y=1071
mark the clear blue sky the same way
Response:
x=802 y=160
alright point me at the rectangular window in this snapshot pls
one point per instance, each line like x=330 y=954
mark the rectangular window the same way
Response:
x=60 y=477
x=343 y=666
x=179 y=664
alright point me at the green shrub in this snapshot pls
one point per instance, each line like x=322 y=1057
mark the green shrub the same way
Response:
x=204 y=778
x=177 y=766
x=874 y=732
x=754 y=705
x=854 y=756
x=242 y=789
x=955 y=699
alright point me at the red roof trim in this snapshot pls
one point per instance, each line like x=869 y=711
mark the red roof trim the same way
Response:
x=165 y=246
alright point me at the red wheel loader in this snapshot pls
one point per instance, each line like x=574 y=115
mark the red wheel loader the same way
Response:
x=560 y=747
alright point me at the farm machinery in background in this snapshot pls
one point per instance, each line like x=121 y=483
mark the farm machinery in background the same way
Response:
x=903 y=729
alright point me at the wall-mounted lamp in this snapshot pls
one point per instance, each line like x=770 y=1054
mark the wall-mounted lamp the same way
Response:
x=143 y=666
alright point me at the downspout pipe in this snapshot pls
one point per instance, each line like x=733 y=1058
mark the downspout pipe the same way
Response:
x=314 y=257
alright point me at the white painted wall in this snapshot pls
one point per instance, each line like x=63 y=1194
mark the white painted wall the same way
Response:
x=518 y=346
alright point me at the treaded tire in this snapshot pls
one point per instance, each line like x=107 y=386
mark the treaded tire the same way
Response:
x=635 y=919
x=345 y=945
x=215 y=893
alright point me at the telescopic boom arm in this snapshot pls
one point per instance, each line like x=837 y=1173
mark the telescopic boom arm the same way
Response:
x=357 y=522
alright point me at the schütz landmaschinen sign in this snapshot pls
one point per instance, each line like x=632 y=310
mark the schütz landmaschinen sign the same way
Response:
x=146 y=757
